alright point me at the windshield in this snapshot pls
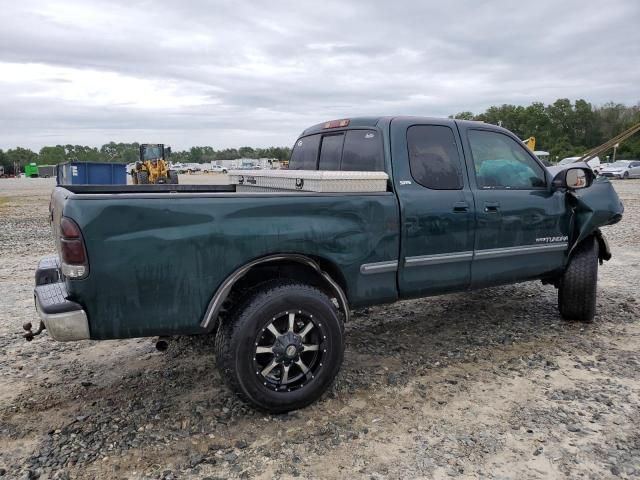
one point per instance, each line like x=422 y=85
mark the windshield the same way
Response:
x=618 y=165
x=151 y=152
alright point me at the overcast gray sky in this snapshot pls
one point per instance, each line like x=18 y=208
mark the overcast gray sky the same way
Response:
x=239 y=73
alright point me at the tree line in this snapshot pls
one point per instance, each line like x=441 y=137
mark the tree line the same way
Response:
x=128 y=153
x=562 y=128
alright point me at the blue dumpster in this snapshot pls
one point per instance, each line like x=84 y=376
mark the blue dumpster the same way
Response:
x=92 y=173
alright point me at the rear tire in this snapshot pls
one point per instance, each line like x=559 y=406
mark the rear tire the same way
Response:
x=173 y=177
x=289 y=371
x=142 y=177
x=578 y=285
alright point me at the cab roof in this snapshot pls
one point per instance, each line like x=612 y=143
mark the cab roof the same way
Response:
x=353 y=122
x=359 y=122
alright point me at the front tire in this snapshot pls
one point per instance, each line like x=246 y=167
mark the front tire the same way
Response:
x=578 y=285
x=282 y=349
x=625 y=176
x=142 y=177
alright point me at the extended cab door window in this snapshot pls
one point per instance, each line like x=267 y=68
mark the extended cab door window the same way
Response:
x=501 y=162
x=433 y=157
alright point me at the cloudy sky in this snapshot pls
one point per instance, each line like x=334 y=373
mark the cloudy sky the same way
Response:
x=239 y=73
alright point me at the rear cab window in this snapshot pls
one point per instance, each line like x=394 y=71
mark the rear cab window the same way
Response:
x=305 y=153
x=362 y=152
x=350 y=150
x=331 y=152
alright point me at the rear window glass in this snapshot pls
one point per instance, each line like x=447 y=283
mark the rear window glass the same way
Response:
x=433 y=157
x=362 y=151
x=330 y=152
x=305 y=153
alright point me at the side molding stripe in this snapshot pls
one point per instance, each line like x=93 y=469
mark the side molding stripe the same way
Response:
x=512 y=251
x=424 y=260
x=379 y=267
x=437 y=259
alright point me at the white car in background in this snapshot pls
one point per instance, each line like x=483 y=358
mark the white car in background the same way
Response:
x=594 y=163
x=178 y=167
x=622 y=169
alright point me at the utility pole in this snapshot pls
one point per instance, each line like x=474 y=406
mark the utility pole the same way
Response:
x=615 y=147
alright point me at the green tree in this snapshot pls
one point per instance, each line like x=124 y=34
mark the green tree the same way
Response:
x=20 y=157
x=52 y=155
x=5 y=163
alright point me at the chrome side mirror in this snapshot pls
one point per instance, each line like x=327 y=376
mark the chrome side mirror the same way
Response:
x=574 y=178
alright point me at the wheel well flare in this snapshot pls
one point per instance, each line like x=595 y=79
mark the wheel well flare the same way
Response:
x=293 y=266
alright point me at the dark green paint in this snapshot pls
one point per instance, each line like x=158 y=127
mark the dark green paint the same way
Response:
x=156 y=263
x=157 y=259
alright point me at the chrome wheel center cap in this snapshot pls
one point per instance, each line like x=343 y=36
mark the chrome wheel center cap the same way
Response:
x=291 y=351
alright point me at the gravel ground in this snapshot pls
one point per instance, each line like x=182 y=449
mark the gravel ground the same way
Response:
x=491 y=384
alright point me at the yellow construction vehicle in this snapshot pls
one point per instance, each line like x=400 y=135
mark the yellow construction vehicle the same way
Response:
x=530 y=143
x=153 y=165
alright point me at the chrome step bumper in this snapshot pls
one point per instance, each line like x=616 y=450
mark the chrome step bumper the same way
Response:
x=65 y=320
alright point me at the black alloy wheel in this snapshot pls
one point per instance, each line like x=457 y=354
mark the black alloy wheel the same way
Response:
x=282 y=348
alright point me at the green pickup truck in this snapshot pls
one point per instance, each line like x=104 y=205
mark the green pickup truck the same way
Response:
x=274 y=275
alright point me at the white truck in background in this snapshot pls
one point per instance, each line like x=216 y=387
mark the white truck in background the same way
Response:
x=594 y=163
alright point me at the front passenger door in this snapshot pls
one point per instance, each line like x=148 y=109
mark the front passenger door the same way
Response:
x=522 y=224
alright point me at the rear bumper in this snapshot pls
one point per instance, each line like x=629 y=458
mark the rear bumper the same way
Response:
x=65 y=320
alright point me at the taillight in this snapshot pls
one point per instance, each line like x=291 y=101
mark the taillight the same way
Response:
x=72 y=250
x=69 y=229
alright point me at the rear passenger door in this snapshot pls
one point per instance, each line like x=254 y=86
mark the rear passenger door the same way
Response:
x=522 y=224
x=437 y=209
x=634 y=171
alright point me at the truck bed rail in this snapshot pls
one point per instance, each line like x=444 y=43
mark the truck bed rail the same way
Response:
x=162 y=188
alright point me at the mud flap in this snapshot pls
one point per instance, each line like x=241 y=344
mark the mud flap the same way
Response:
x=604 y=252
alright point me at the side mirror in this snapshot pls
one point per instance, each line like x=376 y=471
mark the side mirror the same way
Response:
x=574 y=178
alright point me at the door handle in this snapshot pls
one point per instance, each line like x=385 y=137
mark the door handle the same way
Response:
x=491 y=207
x=460 y=207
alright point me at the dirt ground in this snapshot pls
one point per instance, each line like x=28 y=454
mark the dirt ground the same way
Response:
x=485 y=385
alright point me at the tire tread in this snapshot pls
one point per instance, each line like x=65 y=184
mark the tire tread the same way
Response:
x=578 y=286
